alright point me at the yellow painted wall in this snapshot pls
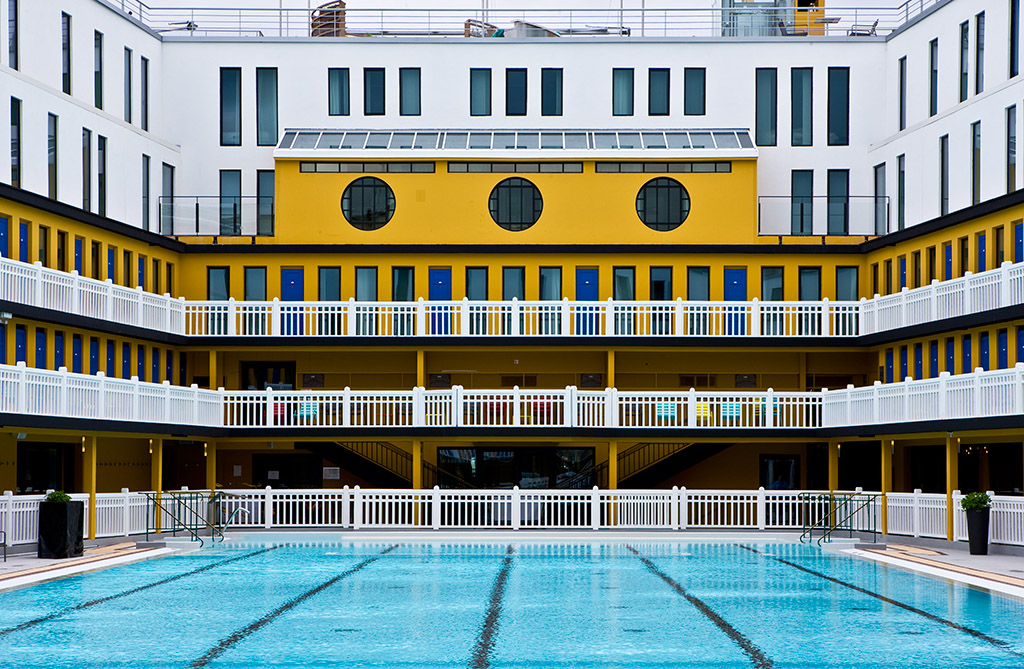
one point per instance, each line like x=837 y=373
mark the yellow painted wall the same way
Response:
x=122 y=463
x=1014 y=332
x=736 y=468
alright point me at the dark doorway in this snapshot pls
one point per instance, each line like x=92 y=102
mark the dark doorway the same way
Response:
x=184 y=465
x=860 y=465
x=261 y=375
x=779 y=472
x=287 y=470
x=43 y=467
x=524 y=466
x=926 y=468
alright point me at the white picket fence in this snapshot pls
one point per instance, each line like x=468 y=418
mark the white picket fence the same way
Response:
x=920 y=514
x=71 y=293
x=118 y=514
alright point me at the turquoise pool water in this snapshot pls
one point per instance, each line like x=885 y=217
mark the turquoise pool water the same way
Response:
x=525 y=604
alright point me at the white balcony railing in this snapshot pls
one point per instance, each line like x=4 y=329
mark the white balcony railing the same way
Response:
x=38 y=286
x=920 y=514
x=41 y=392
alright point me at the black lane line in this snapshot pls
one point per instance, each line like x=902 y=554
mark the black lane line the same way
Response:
x=101 y=600
x=998 y=643
x=481 y=658
x=227 y=642
x=756 y=655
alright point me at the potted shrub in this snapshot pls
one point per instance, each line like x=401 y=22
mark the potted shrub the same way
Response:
x=976 y=505
x=60 y=526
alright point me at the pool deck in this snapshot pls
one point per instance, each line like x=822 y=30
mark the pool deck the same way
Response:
x=23 y=569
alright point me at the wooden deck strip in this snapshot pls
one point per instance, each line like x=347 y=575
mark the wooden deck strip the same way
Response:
x=967 y=571
x=71 y=563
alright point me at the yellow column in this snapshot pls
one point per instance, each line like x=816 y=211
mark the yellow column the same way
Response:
x=210 y=451
x=952 y=479
x=214 y=379
x=89 y=448
x=417 y=464
x=888 y=446
x=611 y=369
x=156 y=473
x=833 y=466
x=613 y=465
x=421 y=369
x=11 y=343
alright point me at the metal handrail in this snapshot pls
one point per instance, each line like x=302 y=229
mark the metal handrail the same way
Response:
x=839 y=516
x=193 y=524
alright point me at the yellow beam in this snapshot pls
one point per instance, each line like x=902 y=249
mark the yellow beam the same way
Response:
x=210 y=451
x=888 y=445
x=833 y=466
x=89 y=448
x=421 y=368
x=952 y=479
x=611 y=369
x=613 y=465
x=214 y=379
x=417 y=464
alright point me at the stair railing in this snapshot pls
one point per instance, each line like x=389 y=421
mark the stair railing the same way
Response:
x=839 y=512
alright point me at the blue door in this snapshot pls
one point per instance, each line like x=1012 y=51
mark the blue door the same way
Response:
x=76 y=354
x=78 y=256
x=58 y=351
x=20 y=344
x=903 y=362
x=950 y=356
x=94 y=355
x=1002 y=355
x=23 y=242
x=292 y=290
x=933 y=354
x=903 y=273
x=126 y=361
x=982 y=253
x=4 y=249
x=734 y=287
x=983 y=361
x=965 y=355
x=111 y=362
x=1018 y=242
x=111 y=264
x=888 y=366
x=587 y=317
x=918 y=361
x=440 y=290
x=949 y=262
x=41 y=348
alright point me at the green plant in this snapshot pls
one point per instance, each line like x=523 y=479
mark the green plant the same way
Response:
x=57 y=496
x=975 y=501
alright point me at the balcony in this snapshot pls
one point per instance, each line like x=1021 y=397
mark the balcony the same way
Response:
x=215 y=216
x=822 y=215
x=70 y=293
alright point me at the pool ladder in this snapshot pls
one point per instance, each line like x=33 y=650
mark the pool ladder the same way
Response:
x=838 y=512
x=187 y=511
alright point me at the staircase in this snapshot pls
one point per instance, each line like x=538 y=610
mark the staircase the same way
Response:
x=383 y=463
x=637 y=464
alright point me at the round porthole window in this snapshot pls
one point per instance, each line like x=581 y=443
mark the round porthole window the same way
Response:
x=662 y=204
x=368 y=203
x=515 y=204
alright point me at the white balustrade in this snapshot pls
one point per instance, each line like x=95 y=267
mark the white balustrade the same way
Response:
x=35 y=285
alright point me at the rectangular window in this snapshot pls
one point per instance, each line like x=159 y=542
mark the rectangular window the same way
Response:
x=329 y=289
x=766 y=106
x=932 y=269
x=622 y=92
x=44 y=245
x=965 y=43
x=624 y=283
x=1014 y=38
x=126 y=268
x=128 y=85
x=366 y=284
x=698 y=283
x=1011 y=148
x=933 y=77
x=231 y=202
x=337 y=91
x=802 y=206
x=847 y=280
x=976 y=162
x=255 y=284
x=810 y=284
x=266 y=106
x=771 y=284
x=661 y=283
x=65 y=52
x=230 y=106
x=97 y=69
x=86 y=169
x=944 y=175
x=551 y=91
x=373 y=91
x=96 y=269
x=51 y=156
x=838 y=106
x=903 y=93
x=550 y=287
x=965 y=256
x=167 y=193
x=694 y=91
x=145 y=192
x=265 y=202
x=901 y=191
x=409 y=91
x=888 y=277
x=62 y=251
x=915 y=268
x=513 y=283
x=979 y=53
x=802 y=107
x=515 y=92
x=144 y=93
x=998 y=239
x=16 y=142
x=480 y=92
x=156 y=276
x=658 y=91
x=881 y=201
x=218 y=285
x=12 y=35
x=476 y=283
x=839 y=202
x=101 y=175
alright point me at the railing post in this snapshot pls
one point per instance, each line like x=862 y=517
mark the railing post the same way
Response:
x=9 y=517
x=419 y=409
x=101 y=401
x=135 y=398
x=38 y=296
x=825 y=329
x=609 y=318
x=976 y=412
x=680 y=317
x=421 y=318
x=464 y=317
x=595 y=508
x=906 y=398
x=566 y=320
x=357 y=508
x=943 y=395
x=874 y=402
x=108 y=299
x=569 y=407
x=232 y=317
x=761 y=508
x=127 y=525
x=684 y=512
x=346 y=499
x=968 y=307
x=849 y=404
x=755 y=318
x=610 y=408
x=195 y=404
x=268 y=507
x=769 y=408
x=516 y=406
x=62 y=399
x=139 y=298
x=674 y=508
x=268 y=407
x=457 y=408
x=1018 y=381
x=435 y=508
x=515 y=327
x=916 y=500
x=22 y=387
x=957 y=529
x=903 y=306
x=350 y=317
x=166 y=409
x=516 y=511
x=1005 y=296
x=933 y=300
x=275 y=318
x=346 y=407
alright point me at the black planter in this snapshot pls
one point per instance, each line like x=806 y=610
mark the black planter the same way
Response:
x=977 y=531
x=60 y=529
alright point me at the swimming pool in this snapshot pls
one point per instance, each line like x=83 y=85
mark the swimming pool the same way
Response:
x=398 y=603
